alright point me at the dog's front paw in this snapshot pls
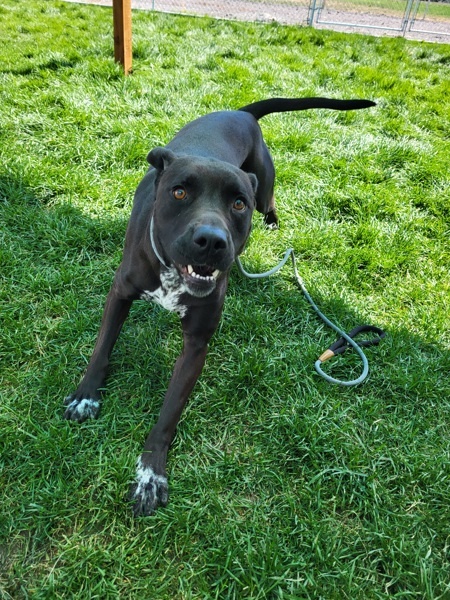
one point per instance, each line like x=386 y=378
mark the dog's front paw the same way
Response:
x=150 y=491
x=80 y=409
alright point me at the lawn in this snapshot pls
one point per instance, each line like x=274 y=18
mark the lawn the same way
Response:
x=282 y=485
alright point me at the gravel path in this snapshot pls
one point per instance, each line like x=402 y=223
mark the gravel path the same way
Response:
x=293 y=13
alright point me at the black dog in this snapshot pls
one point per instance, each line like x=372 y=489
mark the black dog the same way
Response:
x=191 y=218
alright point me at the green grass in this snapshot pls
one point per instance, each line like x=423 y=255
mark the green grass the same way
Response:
x=282 y=486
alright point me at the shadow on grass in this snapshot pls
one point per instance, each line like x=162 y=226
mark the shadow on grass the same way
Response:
x=57 y=264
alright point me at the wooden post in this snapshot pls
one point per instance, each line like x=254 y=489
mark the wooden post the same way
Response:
x=122 y=34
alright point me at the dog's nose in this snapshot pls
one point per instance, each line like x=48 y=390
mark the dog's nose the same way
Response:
x=210 y=239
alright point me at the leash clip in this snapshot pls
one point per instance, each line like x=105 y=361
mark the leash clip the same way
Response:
x=341 y=345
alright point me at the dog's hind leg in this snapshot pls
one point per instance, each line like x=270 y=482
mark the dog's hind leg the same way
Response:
x=261 y=164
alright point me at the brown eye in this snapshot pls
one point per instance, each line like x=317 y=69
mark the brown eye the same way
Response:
x=179 y=193
x=239 y=204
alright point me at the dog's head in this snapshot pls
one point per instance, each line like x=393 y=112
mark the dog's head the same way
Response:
x=202 y=216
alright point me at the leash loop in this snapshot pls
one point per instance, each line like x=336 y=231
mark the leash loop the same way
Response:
x=343 y=342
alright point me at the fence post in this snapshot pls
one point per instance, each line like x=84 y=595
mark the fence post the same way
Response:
x=311 y=13
x=122 y=33
x=406 y=16
x=413 y=15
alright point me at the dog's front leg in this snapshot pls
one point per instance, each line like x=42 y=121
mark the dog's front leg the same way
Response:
x=151 y=489
x=84 y=403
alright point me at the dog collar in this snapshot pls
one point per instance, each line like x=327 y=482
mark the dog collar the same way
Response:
x=152 y=242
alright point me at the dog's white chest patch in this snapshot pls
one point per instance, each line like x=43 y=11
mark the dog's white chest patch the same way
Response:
x=169 y=293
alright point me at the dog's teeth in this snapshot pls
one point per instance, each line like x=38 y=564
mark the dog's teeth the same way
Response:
x=202 y=277
x=190 y=270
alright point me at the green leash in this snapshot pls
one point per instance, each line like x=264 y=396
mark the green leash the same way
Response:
x=346 y=339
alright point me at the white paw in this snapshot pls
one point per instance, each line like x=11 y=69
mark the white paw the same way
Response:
x=150 y=491
x=81 y=409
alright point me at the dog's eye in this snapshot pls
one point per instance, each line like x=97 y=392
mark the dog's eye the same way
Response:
x=239 y=204
x=179 y=193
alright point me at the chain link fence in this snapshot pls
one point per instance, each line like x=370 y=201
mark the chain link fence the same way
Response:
x=415 y=19
x=288 y=12
x=401 y=16
x=431 y=17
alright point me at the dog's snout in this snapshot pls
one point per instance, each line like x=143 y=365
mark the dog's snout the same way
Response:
x=205 y=244
x=210 y=239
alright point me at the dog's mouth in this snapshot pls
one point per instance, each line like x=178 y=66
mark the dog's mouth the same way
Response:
x=200 y=280
x=200 y=272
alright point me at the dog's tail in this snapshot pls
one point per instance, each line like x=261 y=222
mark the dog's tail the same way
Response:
x=275 y=105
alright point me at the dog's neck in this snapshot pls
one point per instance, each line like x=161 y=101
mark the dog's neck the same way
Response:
x=152 y=242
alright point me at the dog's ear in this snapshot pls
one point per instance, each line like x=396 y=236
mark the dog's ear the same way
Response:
x=161 y=158
x=253 y=181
